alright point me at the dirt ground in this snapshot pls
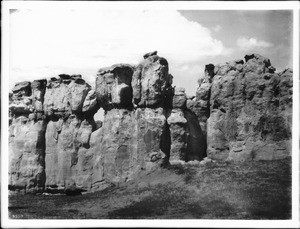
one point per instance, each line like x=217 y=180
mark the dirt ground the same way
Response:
x=252 y=190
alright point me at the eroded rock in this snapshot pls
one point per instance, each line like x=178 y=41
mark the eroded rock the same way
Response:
x=151 y=82
x=242 y=111
x=128 y=142
x=67 y=156
x=90 y=104
x=27 y=154
x=246 y=110
x=113 y=86
x=65 y=96
x=179 y=98
x=178 y=125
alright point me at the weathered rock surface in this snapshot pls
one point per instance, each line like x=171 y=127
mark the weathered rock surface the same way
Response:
x=27 y=153
x=90 y=105
x=179 y=98
x=27 y=136
x=67 y=156
x=113 y=86
x=151 y=82
x=38 y=88
x=201 y=104
x=49 y=132
x=241 y=111
x=128 y=142
x=178 y=131
x=250 y=110
x=21 y=99
x=187 y=138
x=65 y=95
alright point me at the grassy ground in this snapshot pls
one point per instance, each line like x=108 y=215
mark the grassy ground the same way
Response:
x=255 y=190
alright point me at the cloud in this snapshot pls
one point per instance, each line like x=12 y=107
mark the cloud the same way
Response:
x=217 y=28
x=189 y=75
x=251 y=43
x=44 y=43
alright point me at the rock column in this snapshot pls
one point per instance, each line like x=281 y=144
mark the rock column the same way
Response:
x=27 y=137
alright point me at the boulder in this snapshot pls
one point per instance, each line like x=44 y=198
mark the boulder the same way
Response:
x=256 y=63
x=179 y=98
x=65 y=96
x=154 y=53
x=151 y=82
x=21 y=89
x=90 y=105
x=21 y=99
x=113 y=86
x=21 y=106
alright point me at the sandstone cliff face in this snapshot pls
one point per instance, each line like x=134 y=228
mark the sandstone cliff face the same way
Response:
x=27 y=136
x=128 y=142
x=70 y=125
x=50 y=132
x=27 y=153
x=55 y=143
x=250 y=110
x=113 y=86
x=241 y=111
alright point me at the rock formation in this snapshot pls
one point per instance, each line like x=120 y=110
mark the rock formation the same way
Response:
x=151 y=82
x=113 y=86
x=27 y=136
x=241 y=111
x=249 y=110
x=188 y=138
x=129 y=141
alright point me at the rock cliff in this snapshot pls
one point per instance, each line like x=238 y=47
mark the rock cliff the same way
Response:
x=241 y=111
x=246 y=110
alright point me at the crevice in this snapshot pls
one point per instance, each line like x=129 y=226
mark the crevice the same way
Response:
x=207 y=111
x=165 y=140
x=41 y=151
x=196 y=140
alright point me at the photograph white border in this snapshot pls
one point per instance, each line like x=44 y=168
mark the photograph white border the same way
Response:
x=161 y=5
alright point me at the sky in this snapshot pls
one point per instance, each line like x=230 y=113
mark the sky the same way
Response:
x=46 y=43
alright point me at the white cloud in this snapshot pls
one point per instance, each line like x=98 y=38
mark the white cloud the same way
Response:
x=45 y=43
x=217 y=28
x=251 y=43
